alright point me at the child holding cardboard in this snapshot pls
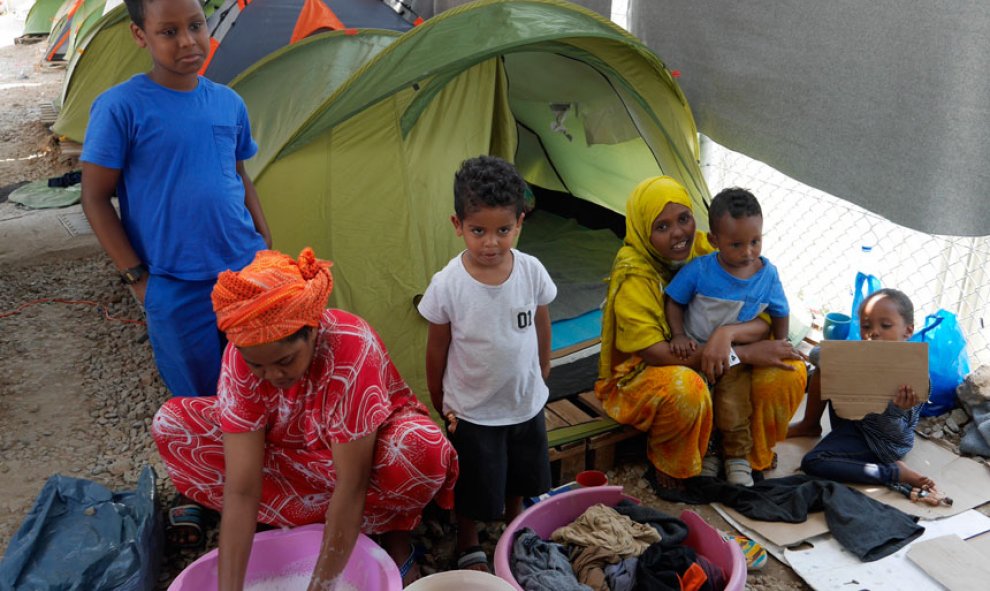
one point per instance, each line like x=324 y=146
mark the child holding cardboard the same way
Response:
x=869 y=450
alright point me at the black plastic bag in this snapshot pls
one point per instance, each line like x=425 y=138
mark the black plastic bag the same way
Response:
x=79 y=535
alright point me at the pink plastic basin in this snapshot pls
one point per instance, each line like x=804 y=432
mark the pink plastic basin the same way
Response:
x=546 y=516
x=279 y=553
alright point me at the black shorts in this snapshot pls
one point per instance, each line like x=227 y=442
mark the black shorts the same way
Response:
x=499 y=462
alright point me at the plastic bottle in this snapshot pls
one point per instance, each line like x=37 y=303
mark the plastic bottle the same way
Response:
x=868 y=261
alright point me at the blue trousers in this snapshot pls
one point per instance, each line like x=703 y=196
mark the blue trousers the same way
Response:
x=844 y=456
x=184 y=337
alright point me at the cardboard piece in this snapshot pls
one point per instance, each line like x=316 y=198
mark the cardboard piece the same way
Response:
x=982 y=545
x=965 y=481
x=860 y=377
x=825 y=565
x=952 y=562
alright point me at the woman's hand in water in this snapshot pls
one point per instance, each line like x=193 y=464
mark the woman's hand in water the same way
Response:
x=905 y=398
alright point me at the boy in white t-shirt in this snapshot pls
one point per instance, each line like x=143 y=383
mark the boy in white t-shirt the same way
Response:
x=488 y=353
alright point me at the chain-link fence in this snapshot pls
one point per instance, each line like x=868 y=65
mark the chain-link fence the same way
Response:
x=815 y=240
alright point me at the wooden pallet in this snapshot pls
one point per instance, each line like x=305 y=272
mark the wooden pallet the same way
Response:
x=30 y=39
x=48 y=112
x=69 y=149
x=581 y=436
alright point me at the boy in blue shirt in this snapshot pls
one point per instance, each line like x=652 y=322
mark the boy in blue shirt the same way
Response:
x=732 y=285
x=171 y=146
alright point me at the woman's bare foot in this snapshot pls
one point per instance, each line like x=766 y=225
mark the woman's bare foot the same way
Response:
x=913 y=478
x=804 y=429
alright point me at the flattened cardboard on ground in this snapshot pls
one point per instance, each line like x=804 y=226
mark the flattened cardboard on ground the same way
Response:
x=825 y=565
x=982 y=544
x=952 y=562
x=860 y=377
x=965 y=481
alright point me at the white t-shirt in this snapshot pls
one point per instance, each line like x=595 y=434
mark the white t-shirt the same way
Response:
x=493 y=372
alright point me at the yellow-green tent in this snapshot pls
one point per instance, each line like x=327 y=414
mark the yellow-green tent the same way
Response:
x=360 y=134
x=41 y=17
x=73 y=20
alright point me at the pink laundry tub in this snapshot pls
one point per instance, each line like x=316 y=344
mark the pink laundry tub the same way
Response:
x=280 y=553
x=559 y=510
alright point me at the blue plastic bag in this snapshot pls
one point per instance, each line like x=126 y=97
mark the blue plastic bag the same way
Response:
x=948 y=362
x=81 y=536
x=865 y=285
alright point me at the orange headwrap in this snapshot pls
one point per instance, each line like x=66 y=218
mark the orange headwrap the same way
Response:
x=272 y=298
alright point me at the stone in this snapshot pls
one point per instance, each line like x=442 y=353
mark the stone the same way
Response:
x=121 y=466
x=960 y=416
x=951 y=425
x=975 y=389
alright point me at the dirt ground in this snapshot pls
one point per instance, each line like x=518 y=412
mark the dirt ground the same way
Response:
x=78 y=390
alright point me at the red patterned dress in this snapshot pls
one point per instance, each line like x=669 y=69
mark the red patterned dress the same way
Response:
x=351 y=390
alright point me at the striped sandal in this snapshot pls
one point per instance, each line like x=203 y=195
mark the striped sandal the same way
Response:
x=755 y=554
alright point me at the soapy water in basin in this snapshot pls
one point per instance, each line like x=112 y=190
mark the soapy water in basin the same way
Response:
x=293 y=582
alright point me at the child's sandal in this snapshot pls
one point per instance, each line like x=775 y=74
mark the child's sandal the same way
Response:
x=755 y=554
x=739 y=472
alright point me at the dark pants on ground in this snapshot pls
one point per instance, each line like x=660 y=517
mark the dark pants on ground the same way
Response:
x=843 y=455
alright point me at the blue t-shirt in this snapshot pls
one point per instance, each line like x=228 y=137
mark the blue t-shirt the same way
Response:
x=181 y=199
x=714 y=297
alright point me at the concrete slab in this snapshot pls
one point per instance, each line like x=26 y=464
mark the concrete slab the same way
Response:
x=27 y=235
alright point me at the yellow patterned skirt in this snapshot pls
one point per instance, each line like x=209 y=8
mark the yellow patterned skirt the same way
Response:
x=672 y=405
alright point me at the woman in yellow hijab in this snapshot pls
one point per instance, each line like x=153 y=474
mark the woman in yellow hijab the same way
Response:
x=642 y=383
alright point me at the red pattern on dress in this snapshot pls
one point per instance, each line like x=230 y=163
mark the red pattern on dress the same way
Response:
x=351 y=390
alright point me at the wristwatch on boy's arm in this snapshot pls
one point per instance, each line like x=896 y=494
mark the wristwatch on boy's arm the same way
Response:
x=133 y=275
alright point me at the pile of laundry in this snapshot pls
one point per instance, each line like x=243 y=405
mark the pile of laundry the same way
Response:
x=614 y=549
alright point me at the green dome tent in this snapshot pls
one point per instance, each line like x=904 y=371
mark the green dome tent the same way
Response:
x=242 y=31
x=105 y=56
x=74 y=19
x=360 y=135
x=41 y=17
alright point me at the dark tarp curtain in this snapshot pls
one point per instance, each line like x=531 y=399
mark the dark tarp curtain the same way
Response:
x=883 y=103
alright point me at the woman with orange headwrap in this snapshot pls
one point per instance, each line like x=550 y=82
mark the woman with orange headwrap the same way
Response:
x=642 y=383
x=312 y=422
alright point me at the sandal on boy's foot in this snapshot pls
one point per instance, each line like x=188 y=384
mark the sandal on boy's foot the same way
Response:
x=184 y=526
x=738 y=471
x=755 y=554
x=473 y=556
x=709 y=466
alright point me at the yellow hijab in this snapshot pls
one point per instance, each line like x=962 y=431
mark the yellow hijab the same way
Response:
x=638 y=257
